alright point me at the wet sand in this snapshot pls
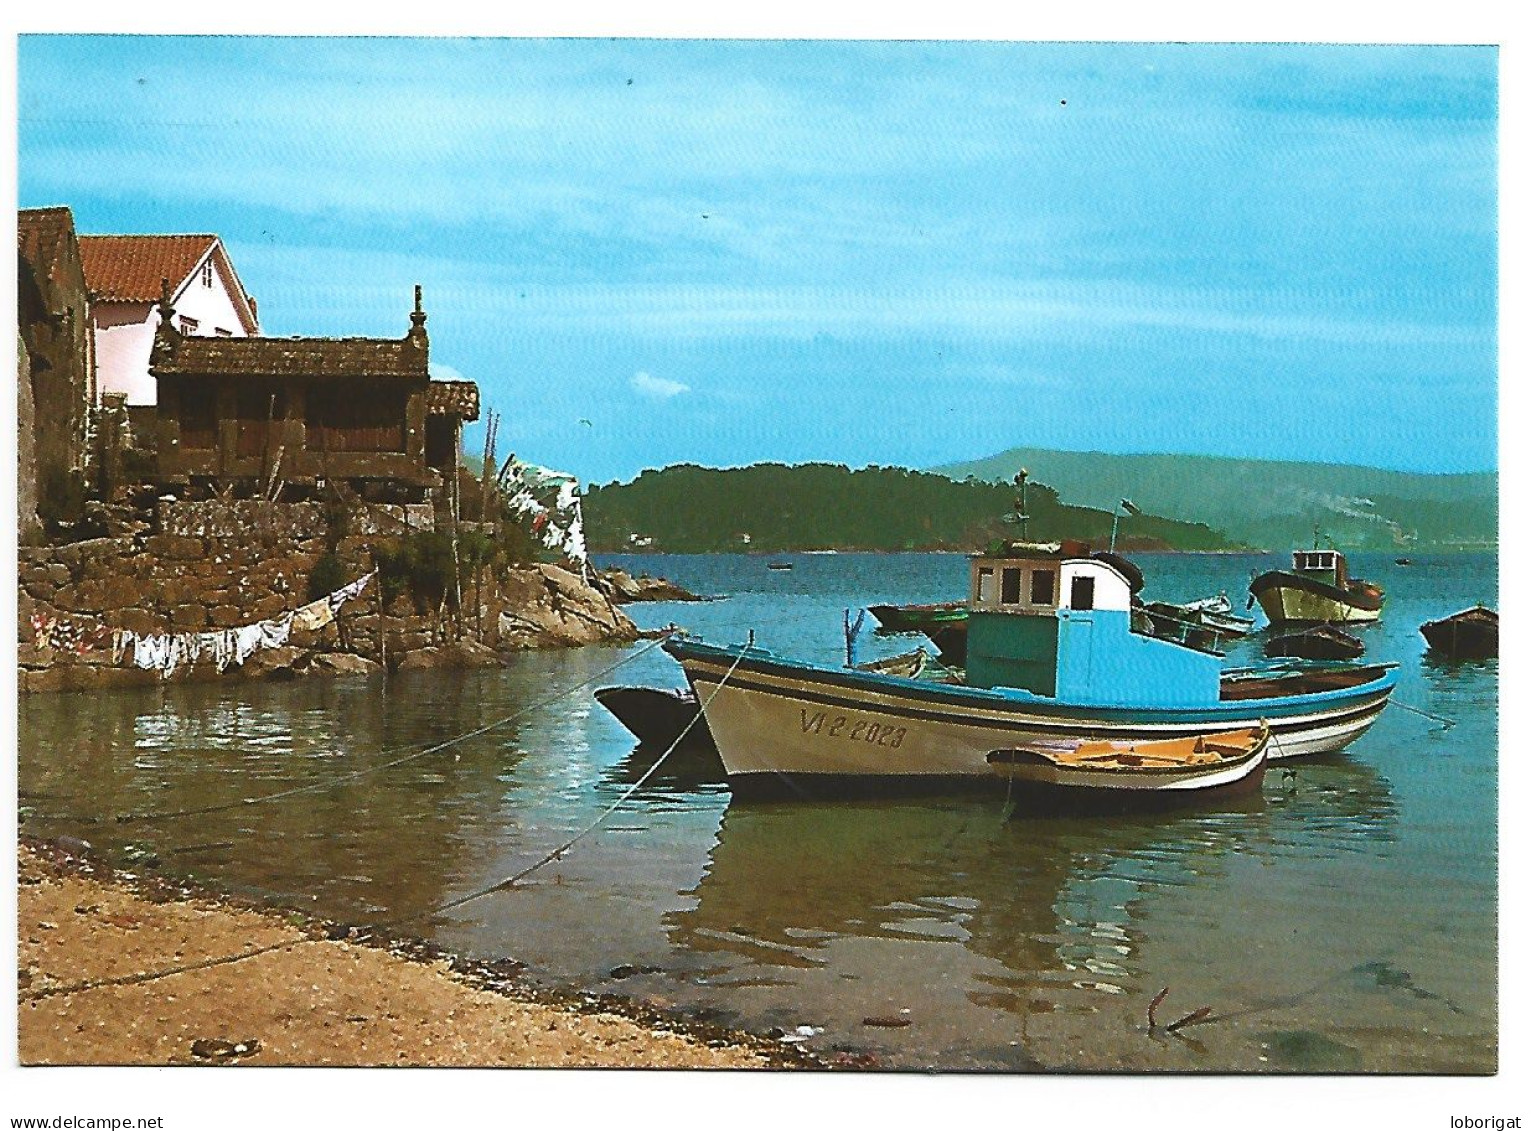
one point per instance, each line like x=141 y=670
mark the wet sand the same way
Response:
x=310 y=999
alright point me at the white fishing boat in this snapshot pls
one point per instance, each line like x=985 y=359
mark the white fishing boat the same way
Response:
x=1051 y=656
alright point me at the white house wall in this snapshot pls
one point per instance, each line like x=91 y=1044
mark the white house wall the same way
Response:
x=124 y=337
x=125 y=333
x=211 y=306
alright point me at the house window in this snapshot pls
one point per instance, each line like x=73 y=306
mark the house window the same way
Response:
x=222 y=333
x=1082 y=593
x=1010 y=587
x=207 y=274
x=1041 y=587
x=188 y=325
x=985 y=585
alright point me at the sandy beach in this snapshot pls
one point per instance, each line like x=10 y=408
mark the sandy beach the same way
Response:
x=90 y=944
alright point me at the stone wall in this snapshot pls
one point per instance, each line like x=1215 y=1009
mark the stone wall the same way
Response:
x=54 y=321
x=26 y=446
x=175 y=582
x=239 y=518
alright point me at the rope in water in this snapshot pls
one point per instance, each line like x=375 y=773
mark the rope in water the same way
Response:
x=511 y=881
x=131 y=818
x=1446 y=724
x=70 y=988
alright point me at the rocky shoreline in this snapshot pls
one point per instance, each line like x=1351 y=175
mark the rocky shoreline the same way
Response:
x=209 y=579
x=94 y=945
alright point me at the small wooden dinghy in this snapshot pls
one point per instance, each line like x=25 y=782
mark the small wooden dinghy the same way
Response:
x=1321 y=642
x=1176 y=770
x=1472 y=634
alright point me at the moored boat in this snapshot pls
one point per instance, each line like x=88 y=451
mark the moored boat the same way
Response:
x=659 y=716
x=918 y=618
x=656 y=716
x=1050 y=656
x=1217 y=614
x=1205 y=625
x=1130 y=773
x=1318 y=642
x=1470 y=634
x=1318 y=589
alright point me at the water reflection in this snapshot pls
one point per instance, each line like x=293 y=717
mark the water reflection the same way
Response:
x=686 y=770
x=1474 y=682
x=354 y=848
x=1329 y=804
x=1060 y=902
x=785 y=880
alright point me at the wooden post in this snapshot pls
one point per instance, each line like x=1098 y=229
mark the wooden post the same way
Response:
x=382 y=613
x=456 y=563
x=491 y=426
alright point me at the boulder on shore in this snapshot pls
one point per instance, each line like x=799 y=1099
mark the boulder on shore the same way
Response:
x=271 y=663
x=623 y=588
x=341 y=663
x=547 y=606
x=458 y=654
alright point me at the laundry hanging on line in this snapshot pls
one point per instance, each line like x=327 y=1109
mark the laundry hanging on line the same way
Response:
x=550 y=501
x=166 y=651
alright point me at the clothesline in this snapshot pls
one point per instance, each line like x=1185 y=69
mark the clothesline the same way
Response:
x=166 y=651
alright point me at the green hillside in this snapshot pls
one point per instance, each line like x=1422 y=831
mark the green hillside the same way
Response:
x=1271 y=504
x=691 y=509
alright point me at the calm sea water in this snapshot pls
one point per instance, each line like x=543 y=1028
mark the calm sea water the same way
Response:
x=1343 y=921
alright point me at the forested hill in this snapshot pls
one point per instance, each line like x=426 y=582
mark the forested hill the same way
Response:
x=819 y=506
x=1268 y=503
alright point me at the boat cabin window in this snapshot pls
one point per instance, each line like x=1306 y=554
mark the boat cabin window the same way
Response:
x=1010 y=587
x=1315 y=560
x=1082 y=593
x=985 y=585
x=1041 y=587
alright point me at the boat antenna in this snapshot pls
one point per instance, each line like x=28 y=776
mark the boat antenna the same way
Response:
x=1125 y=507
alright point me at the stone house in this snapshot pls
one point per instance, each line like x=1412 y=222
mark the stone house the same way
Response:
x=55 y=362
x=269 y=417
x=124 y=274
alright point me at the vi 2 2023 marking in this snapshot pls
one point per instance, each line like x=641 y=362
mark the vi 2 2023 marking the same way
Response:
x=852 y=729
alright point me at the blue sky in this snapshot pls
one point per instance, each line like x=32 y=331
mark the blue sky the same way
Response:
x=651 y=251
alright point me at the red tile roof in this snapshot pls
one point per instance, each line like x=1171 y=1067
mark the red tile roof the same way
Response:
x=290 y=357
x=129 y=268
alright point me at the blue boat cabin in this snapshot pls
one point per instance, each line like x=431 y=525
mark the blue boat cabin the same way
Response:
x=1048 y=619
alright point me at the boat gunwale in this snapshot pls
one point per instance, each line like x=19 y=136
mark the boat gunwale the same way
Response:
x=768 y=664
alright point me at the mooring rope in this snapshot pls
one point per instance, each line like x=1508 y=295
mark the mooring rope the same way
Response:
x=1446 y=724
x=133 y=818
x=140 y=978
x=66 y=989
x=511 y=881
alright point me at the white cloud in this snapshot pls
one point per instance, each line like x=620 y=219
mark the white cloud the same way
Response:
x=441 y=372
x=659 y=388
